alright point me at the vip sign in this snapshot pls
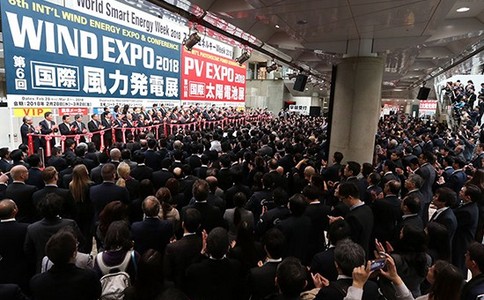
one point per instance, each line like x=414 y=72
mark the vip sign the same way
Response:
x=31 y=112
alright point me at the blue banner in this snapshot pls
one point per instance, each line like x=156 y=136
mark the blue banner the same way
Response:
x=55 y=56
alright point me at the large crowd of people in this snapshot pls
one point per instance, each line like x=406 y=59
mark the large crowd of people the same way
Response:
x=248 y=210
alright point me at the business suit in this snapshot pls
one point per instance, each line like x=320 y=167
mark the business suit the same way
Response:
x=46 y=128
x=224 y=177
x=318 y=214
x=215 y=279
x=35 y=178
x=201 y=172
x=387 y=214
x=105 y=193
x=271 y=218
x=14 y=267
x=211 y=215
x=39 y=233
x=428 y=174
x=153 y=159
x=456 y=180
x=142 y=172
x=93 y=127
x=236 y=188
x=5 y=166
x=295 y=229
x=447 y=218
x=360 y=220
x=108 y=138
x=66 y=282
x=467 y=216
x=96 y=174
x=159 y=178
x=151 y=233
x=370 y=290
x=261 y=280
x=78 y=128
x=65 y=129
x=25 y=129
x=21 y=194
x=11 y=292
x=323 y=263
x=59 y=163
x=68 y=206
x=179 y=256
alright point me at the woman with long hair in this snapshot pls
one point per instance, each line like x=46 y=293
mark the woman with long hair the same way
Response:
x=79 y=188
x=113 y=211
x=168 y=209
x=235 y=216
x=125 y=180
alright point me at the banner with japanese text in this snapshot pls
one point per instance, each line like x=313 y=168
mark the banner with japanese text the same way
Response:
x=60 y=57
x=208 y=78
x=427 y=107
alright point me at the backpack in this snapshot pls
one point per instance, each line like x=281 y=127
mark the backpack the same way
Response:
x=115 y=279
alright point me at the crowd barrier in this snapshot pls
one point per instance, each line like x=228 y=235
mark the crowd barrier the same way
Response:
x=168 y=128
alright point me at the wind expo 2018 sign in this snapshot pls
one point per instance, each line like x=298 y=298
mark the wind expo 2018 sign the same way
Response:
x=92 y=53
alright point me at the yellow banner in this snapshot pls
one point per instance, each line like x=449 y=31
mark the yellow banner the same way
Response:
x=31 y=111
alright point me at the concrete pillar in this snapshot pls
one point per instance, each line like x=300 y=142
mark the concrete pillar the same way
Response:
x=356 y=109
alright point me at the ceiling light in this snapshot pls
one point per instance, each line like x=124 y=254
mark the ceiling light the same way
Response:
x=191 y=41
x=277 y=26
x=243 y=58
x=463 y=9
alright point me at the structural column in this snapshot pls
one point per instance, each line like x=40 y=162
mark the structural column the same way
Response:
x=356 y=108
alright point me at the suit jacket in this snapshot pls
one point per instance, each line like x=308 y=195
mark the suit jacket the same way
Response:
x=68 y=206
x=153 y=159
x=14 y=267
x=215 y=279
x=35 y=178
x=295 y=230
x=44 y=127
x=159 y=178
x=387 y=214
x=96 y=174
x=370 y=291
x=412 y=220
x=447 y=218
x=39 y=233
x=428 y=174
x=5 y=166
x=106 y=192
x=26 y=129
x=65 y=129
x=11 y=292
x=332 y=173
x=59 y=163
x=456 y=180
x=179 y=256
x=142 y=172
x=211 y=215
x=467 y=216
x=318 y=213
x=21 y=194
x=236 y=188
x=360 y=220
x=201 y=172
x=323 y=263
x=225 y=180
x=261 y=280
x=151 y=233
x=66 y=282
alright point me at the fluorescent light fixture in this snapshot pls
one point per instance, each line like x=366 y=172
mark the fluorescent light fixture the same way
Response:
x=463 y=9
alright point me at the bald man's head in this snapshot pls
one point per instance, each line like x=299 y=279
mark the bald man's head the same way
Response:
x=19 y=173
x=177 y=172
x=115 y=154
x=309 y=172
x=8 y=209
x=212 y=183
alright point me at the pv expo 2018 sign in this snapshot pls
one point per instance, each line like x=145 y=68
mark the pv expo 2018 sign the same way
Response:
x=91 y=54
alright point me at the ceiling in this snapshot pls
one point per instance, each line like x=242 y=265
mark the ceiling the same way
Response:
x=415 y=37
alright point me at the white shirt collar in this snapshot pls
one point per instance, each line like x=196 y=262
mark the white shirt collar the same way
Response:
x=7 y=220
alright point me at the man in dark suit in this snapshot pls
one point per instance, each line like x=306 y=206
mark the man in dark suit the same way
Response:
x=142 y=171
x=458 y=177
x=160 y=177
x=428 y=174
x=261 y=281
x=318 y=213
x=238 y=187
x=107 y=125
x=151 y=233
x=27 y=128
x=273 y=216
x=21 y=194
x=347 y=256
x=50 y=177
x=47 y=126
x=180 y=254
x=217 y=277
x=96 y=171
x=35 y=174
x=296 y=228
x=224 y=176
x=39 y=232
x=65 y=127
x=373 y=189
x=445 y=198
x=360 y=217
x=79 y=127
x=410 y=208
x=211 y=215
x=323 y=262
x=475 y=262
x=152 y=158
x=64 y=280
x=387 y=212
x=94 y=127
x=467 y=216
x=107 y=191
x=14 y=267
x=5 y=163
x=413 y=184
x=332 y=172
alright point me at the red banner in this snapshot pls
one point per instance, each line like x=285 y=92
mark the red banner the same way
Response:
x=207 y=77
x=74 y=111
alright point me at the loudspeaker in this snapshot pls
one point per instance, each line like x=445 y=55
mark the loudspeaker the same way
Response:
x=423 y=93
x=315 y=111
x=300 y=83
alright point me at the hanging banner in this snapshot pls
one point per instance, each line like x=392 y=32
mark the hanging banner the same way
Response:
x=208 y=79
x=60 y=57
x=427 y=107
